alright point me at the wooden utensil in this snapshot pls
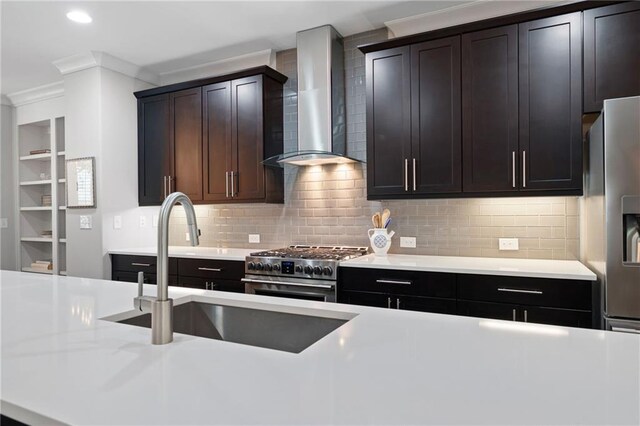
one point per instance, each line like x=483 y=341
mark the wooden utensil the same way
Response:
x=385 y=216
x=378 y=220
x=374 y=221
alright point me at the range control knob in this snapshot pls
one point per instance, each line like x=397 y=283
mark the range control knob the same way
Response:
x=328 y=270
x=276 y=267
x=251 y=266
x=298 y=268
x=308 y=270
x=317 y=270
x=259 y=266
x=268 y=267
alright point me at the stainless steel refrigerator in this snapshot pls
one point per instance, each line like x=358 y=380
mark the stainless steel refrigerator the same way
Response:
x=611 y=209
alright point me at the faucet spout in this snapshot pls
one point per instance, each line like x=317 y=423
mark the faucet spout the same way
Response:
x=161 y=307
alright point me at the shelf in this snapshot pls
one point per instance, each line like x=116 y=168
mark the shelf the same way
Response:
x=36 y=208
x=36 y=157
x=61 y=154
x=63 y=180
x=62 y=207
x=63 y=240
x=38 y=271
x=36 y=182
x=36 y=239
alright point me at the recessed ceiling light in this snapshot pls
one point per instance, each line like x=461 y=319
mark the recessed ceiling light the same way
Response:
x=79 y=16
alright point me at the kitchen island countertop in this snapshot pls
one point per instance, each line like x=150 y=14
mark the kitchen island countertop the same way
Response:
x=62 y=363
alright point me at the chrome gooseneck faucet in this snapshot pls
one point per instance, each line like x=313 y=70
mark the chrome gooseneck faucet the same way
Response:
x=161 y=307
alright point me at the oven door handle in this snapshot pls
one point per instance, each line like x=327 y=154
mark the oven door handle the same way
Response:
x=254 y=281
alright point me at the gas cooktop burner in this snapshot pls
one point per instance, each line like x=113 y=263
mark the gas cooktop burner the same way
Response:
x=314 y=252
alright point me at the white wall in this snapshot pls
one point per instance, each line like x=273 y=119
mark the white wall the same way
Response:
x=8 y=252
x=101 y=122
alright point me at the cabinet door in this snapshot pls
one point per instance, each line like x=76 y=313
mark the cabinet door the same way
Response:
x=377 y=300
x=247 y=139
x=154 y=149
x=490 y=109
x=388 y=79
x=611 y=54
x=550 y=76
x=216 y=135
x=500 y=311
x=436 y=163
x=565 y=317
x=186 y=142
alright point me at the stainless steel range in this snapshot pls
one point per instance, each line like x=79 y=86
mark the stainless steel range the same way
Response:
x=299 y=272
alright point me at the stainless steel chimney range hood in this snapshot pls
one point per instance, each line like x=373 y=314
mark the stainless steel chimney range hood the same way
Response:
x=321 y=101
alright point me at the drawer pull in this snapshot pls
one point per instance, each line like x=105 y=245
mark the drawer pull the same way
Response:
x=140 y=264
x=210 y=269
x=517 y=290
x=389 y=302
x=393 y=282
x=514 y=315
x=525 y=316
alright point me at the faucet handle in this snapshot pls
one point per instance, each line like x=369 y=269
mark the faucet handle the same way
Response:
x=140 y=283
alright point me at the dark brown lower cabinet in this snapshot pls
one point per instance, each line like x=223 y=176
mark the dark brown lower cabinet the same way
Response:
x=234 y=286
x=408 y=303
x=532 y=314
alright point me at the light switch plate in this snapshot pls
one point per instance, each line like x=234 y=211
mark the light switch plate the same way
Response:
x=117 y=222
x=4 y=222
x=154 y=220
x=85 y=222
x=254 y=238
x=508 y=244
x=187 y=237
x=143 y=221
x=408 y=242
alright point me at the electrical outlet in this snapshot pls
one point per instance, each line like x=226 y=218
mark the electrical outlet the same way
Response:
x=4 y=222
x=254 y=238
x=143 y=221
x=187 y=237
x=508 y=243
x=117 y=222
x=408 y=242
x=85 y=222
x=154 y=220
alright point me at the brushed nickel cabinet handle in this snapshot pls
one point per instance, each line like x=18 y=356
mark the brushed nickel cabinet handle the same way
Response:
x=513 y=317
x=517 y=290
x=513 y=169
x=525 y=315
x=210 y=269
x=232 y=191
x=414 y=174
x=389 y=302
x=140 y=264
x=393 y=282
x=524 y=169
x=226 y=184
x=397 y=303
x=164 y=186
x=406 y=174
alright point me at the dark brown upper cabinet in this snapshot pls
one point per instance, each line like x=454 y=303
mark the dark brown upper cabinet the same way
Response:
x=154 y=159
x=550 y=76
x=413 y=120
x=207 y=138
x=185 y=136
x=611 y=53
x=490 y=110
x=436 y=162
x=388 y=80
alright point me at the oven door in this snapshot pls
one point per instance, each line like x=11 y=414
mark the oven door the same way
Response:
x=299 y=288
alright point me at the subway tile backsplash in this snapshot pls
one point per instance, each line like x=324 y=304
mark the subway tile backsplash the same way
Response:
x=327 y=204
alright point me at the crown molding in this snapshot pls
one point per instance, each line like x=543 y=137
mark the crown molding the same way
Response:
x=4 y=100
x=223 y=66
x=37 y=94
x=94 y=58
x=462 y=14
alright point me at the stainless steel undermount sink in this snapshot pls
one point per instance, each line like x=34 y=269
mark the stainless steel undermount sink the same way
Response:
x=292 y=331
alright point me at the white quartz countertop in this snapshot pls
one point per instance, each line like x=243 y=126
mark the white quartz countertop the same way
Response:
x=62 y=363
x=199 y=252
x=537 y=268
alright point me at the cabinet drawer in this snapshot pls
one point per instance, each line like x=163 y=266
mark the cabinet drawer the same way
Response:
x=148 y=278
x=408 y=303
x=146 y=264
x=207 y=268
x=212 y=284
x=398 y=282
x=526 y=291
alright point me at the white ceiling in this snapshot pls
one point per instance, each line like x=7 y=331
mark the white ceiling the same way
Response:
x=167 y=35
